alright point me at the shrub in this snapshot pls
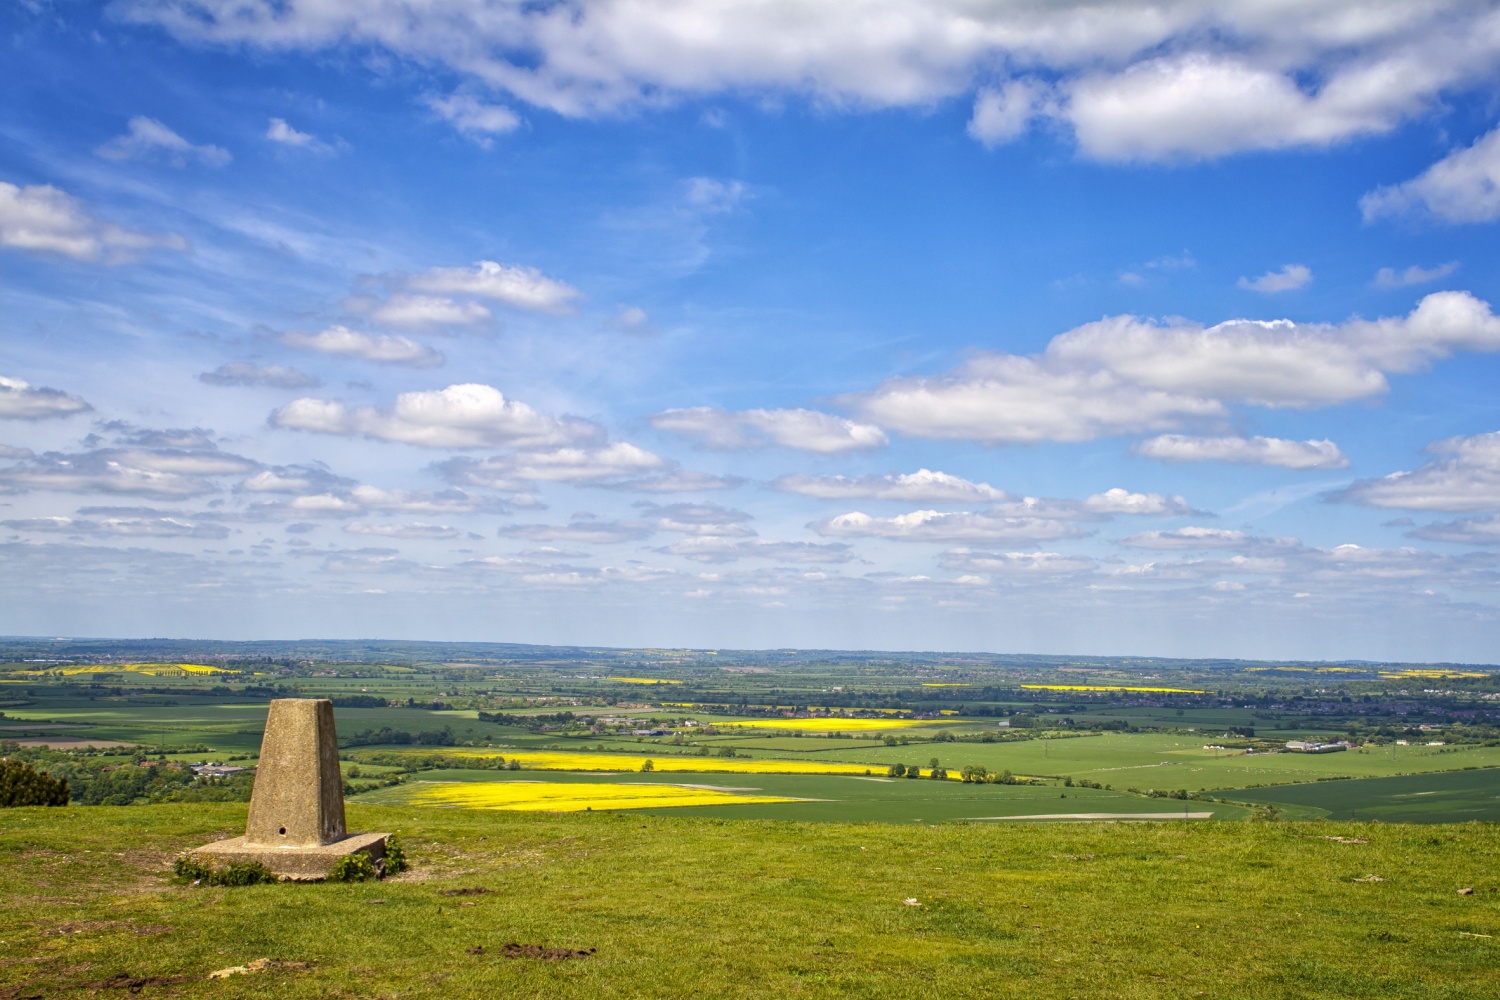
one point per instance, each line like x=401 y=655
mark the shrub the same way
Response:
x=395 y=856
x=896 y=770
x=22 y=785
x=648 y=765
x=190 y=869
x=356 y=867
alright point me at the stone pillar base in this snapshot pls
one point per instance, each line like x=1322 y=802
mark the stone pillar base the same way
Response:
x=302 y=864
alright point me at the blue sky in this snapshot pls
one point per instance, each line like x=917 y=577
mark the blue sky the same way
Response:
x=1152 y=328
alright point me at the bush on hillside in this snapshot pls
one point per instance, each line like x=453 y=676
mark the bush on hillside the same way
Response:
x=22 y=785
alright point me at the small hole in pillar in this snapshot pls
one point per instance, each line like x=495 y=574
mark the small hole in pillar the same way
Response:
x=282 y=831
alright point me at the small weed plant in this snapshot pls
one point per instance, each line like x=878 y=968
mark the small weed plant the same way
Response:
x=190 y=869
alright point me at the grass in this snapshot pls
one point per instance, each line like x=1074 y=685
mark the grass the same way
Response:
x=837 y=725
x=755 y=909
x=1411 y=798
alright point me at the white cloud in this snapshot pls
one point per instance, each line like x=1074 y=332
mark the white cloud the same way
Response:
x=460 y=416
x=922 y=486
x=1122 y=501
x=278 y=131
x=163 y=472
x=416 y=530
x=11 y=451
x=714 y=549
x=340 y=341
x=22 y=401
x=126 y=522
x=1003 y=113
x=1389 y=277
x=149 y=139
x=1136 y=79
x=518 y=470
x=936 y=526
x=1202 y=538
x=1317 y=454
x=706 y=519
x=1462 y=187
x=294 y=479
x=675 y=481
x=40 y=217
x=1021 y=564
x=1465 y=478
x=1465 y=530
x=1290 y=278
x=581 y=531
x=522 y=287
x=806 y=430
x=245 y=373
x=1127 y=375
x=479 y=120
x=428 y=310
x=714 y=196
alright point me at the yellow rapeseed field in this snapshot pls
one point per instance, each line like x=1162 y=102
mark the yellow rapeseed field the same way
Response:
x=563 y=760
x=1430 y=675
x=642 y=680
x=833 y=725
x=544 y=796
x=1107 y=687
x=149 y=669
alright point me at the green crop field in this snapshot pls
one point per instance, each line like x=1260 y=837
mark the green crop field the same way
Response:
x=758 y=909
x=1413 y=798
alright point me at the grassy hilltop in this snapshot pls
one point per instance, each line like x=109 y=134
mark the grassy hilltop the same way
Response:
x=679 y=906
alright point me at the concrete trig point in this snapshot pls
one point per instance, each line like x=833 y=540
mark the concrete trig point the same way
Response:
x=296 y=825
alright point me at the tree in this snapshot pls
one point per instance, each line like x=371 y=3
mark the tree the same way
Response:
x=21 y=785
x=896 y=771
x=648 y=765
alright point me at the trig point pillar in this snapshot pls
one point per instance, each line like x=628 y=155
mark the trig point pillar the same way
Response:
x=296 y=825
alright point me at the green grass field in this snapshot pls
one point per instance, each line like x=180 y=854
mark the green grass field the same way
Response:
x=757 y=909
x=1452 y=796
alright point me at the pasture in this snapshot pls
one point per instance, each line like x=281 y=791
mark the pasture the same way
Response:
x=756 y=909
x=1452 y=796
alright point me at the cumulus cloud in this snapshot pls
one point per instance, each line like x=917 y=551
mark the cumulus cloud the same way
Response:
x=1133 y=80
x=1016 y=564
x=340 y=341
x=22 y=401
x=581 y=531
x=279 y=132
x=41 y=218
x=1289 y=278
x=1465 y=477
x=416 y=530
x=1389 y=277
x=1123 y=374
x=922 y=486
x=12 y=451
x=806 y=430
x=1202 y=538
x=294 y=479
x=514 y=285
x=1465 y=530
x=340 y=500
x=149 y=139
x=128 y=522
x=937 y=526
x=1316 y=454
x=154 y=472
x=428 y=310
x=1122 y=501
x=1462 y=187
x=479 y=120
x=245 y=373
x=1003 y=113
x=471 y=415
x=715 y=549
x=674 y=481
x=516 y=471
x=707 y=519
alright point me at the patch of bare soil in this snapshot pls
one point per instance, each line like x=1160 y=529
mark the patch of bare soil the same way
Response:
x=86 y=926
x=545 y=954
x=477 y=890
x=125 y=981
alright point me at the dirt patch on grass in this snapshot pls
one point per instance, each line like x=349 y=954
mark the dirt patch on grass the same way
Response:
x=125 y=981
x=477 y=890
x=545 y=954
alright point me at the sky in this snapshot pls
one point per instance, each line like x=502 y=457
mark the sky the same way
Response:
x=1141 y=328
